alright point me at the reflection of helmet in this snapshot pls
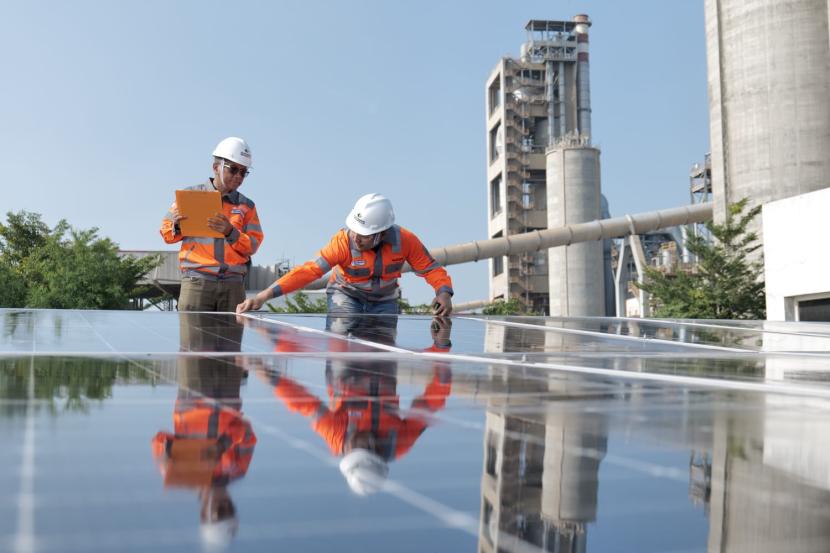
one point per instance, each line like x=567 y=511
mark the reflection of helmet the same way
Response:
x=219 y=522
x=217 y=535
x=234 y=149
x=365 y=471
x=371 y=214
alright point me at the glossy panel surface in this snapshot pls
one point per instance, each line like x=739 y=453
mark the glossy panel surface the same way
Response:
x=207 y=432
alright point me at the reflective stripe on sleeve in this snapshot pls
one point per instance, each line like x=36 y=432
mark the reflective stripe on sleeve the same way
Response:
x=428 y=269
x=233 y=236
x=323 y=264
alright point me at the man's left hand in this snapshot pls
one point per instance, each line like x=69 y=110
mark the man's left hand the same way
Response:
x=442 y=305
x=220 y=223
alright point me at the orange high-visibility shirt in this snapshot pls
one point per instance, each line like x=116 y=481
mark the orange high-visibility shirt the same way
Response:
x=371 y=275
x=335 y=424
x=203 y=421
x=218 y=258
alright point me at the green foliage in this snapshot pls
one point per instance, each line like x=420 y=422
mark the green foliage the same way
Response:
x=509 y=307
x=409 y=309
x=64 y=268
x=301 y=303
x=13 y=289
x=68 y=384
x=22 y=234
x=726 y=285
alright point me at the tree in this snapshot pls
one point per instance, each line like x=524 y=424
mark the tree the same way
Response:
x=509 y=307
x=418 y=309
x=22 y=234
x=725 y=283
x=13 y=289
x=301 y=304
x=64 y=268
x=64 y=383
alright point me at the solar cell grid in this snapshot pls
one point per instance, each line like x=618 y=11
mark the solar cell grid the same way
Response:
x=193 y=432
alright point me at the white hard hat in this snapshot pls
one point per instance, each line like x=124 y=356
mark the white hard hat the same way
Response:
x=217 y=535
x=371 y=214
x=234 y=149
x=365 y=471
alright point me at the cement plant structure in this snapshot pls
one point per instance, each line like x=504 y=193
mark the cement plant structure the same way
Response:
x=769 y=99
x=542 y=171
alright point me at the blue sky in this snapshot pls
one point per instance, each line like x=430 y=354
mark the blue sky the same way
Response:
x=108 y=107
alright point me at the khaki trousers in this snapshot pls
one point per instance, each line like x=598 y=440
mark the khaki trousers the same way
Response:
x=199 y=294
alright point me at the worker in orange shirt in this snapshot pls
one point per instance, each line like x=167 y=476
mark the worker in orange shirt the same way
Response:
x=366 y=258
x=363 y=422
x=212 y=443
x=213 y=269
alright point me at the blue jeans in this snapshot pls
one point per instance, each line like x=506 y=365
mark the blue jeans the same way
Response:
x=346 y=316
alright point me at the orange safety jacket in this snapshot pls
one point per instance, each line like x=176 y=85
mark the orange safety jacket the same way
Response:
x=351 y=411
x=218 y=258
x=199 y=422
x=371 y=275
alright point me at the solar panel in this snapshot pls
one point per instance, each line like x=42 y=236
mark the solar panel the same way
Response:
x=158 y=431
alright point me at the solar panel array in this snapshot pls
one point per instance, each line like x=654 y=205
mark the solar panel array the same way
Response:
x=162 y=431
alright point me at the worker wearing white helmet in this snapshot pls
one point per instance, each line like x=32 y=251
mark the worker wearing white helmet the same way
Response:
x=366 y=259
x=213 y=269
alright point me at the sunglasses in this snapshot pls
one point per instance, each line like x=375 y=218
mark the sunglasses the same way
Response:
x=233 y=170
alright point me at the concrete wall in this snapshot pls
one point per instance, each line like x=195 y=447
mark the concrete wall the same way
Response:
x=769 y=85
x=796 y=263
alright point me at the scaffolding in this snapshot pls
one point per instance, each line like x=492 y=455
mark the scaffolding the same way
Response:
x=700 y=191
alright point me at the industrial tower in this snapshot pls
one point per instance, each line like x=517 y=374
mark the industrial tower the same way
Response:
x=769 y=115
x=542 y=170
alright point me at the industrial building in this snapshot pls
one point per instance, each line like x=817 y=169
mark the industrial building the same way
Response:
x=769 y=81
x=665 y=250
x=769 y=115
x=543 y=172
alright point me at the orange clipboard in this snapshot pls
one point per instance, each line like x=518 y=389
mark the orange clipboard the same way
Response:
x=187 y=467
x=198 y=206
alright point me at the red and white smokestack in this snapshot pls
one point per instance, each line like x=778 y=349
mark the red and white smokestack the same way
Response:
x=583 y=80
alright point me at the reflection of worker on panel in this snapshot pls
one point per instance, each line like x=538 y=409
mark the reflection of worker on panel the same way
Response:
x=362 y=421
x=212 y=443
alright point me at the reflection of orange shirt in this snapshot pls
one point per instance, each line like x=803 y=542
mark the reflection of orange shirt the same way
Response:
x=199 y=424
x=351 y=411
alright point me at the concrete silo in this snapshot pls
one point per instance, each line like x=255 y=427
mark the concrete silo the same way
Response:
x=769 y=99
x=576 y=275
